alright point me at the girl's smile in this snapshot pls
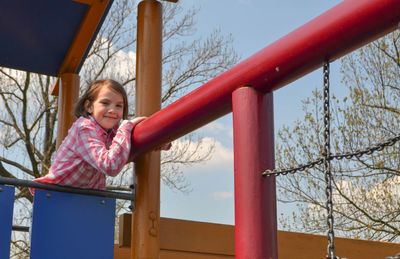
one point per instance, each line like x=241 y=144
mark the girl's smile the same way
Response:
x=108 y=108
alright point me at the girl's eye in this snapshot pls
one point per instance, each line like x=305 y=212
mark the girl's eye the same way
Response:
x=120 y=105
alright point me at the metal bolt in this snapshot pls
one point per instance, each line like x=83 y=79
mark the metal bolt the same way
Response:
x=153 y=232
x=152 y=216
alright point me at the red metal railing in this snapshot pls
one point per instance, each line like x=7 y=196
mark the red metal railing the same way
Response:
x=342 y=29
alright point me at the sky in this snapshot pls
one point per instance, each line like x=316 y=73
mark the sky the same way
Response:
x=253 y=24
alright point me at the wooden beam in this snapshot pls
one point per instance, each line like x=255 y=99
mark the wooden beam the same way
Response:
x=82 y=39
x=68 y=98
x=146 y=217
x=183 y=239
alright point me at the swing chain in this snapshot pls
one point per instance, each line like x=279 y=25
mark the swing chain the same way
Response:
x=327 y=165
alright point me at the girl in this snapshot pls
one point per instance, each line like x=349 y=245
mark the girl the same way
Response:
x=97 y=144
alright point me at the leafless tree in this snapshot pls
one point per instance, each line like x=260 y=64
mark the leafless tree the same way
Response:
x=365 y=188
x=29 y=113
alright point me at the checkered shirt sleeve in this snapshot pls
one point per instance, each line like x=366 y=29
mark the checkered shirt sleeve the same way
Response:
x=107 y=160
x=88 y=154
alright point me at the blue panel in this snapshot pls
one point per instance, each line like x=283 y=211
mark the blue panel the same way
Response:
x=66 y=226
x=36 y=35
x=6 y=215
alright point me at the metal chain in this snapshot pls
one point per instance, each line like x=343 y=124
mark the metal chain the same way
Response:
x=293 y=170
x=326 y=158
x=327 y=165
x=368 y=151
x=326 y=161
x=348 y=155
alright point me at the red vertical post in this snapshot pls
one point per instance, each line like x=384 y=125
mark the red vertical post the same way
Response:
x=255 y=195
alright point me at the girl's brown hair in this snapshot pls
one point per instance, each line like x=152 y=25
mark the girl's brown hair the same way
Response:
x=93 y=91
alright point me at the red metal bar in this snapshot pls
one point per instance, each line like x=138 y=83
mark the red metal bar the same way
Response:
x=333 y=34
x=255 y=196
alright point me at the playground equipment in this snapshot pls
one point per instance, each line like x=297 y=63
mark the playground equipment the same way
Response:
x=246 y=90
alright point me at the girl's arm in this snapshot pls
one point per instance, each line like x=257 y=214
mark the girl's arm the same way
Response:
x=93 y=150
x=166 y=146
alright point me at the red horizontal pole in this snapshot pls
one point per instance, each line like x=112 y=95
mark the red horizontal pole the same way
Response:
x=342 y=29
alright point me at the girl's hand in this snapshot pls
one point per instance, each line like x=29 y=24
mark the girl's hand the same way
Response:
x=137 y=120
x=164 y=147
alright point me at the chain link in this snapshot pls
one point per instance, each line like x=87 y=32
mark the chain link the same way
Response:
x=348 y=155
x=326 y=161
x=293 y=170
x=327 y=165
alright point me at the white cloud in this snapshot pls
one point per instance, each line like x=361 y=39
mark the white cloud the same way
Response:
x=222 y=195
x=387 y=192
x=218 y=128
x=120 y=67
x=215 y=126
x=376 y=192
x=221 y=157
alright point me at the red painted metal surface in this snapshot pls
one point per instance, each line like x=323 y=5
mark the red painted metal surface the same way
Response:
x=333 y=34
x=255 y=196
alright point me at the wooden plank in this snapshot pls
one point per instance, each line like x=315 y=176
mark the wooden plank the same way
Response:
x=306 y=246
x=191 y=236
x=174 y=233
x=125 y=253
x=182 y=239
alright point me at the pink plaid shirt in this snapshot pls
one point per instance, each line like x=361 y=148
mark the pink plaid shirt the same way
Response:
x=89 y=153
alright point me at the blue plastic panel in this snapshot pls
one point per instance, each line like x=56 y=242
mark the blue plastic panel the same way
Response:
x=6 y=215
x=36 y=35
x=66 y=226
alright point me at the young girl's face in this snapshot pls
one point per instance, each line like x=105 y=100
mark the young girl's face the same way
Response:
x=108 y=108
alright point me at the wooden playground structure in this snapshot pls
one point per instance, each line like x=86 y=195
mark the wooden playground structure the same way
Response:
x=181 y=239
x=246 y=90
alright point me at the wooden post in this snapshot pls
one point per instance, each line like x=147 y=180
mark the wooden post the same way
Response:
x=146 y=216
x=67 y=98
x=255 y=196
